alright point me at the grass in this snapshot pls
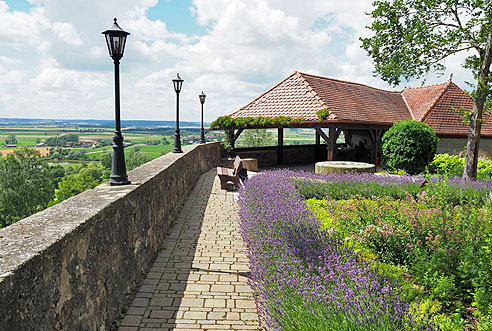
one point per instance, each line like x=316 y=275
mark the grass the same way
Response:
x=156 y=150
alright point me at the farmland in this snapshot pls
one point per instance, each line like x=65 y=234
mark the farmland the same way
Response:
x=95 y=138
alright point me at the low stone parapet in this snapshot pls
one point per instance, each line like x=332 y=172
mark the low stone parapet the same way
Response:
x=341 y=167
x=74 y=266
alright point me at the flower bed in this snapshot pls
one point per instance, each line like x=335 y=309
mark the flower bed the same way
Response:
x=303 y=277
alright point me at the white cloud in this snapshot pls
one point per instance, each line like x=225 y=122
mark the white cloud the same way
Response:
x=67 y=33
x=54 y=62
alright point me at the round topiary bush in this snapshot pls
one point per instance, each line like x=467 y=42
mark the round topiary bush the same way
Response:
x=409 y=145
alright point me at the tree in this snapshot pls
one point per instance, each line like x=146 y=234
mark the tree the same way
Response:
x=410 y=146
x=88 y=178
x=25 y=185
x=135 y=159
x=413 y=37
x=106 y=160
x=257 y=137
x=165 y=141
x=11 y=140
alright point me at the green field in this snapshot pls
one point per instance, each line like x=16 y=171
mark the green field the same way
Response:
x=156 y=150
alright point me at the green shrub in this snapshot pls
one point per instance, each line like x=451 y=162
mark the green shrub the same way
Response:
x=446 y=165
x=409 y=145
x=452 y=165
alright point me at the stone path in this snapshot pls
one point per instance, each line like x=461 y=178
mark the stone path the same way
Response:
x=199 y=281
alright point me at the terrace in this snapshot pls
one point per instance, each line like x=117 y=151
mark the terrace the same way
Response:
x=166 y=252
x=166 y=247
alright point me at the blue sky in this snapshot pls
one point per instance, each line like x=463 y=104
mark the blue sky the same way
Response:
x=54 y=62
x=177 y=15
x=22 y=5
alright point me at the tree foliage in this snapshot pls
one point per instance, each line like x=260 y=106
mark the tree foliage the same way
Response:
x=87 y=178
x=25 y=185
x=11 y=140
x=135 y=159
x=257 y=137
x=410 y=146
x=61 y=141
x=106 y=160
x=413 y=37
x=228 y=122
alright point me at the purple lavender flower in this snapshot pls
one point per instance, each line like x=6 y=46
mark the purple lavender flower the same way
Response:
x=304 y=279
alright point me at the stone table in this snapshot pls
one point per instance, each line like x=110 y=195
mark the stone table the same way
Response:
x=342 y=167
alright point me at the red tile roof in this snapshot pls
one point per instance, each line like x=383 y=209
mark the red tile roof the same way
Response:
x=301 y=95
x=444 y=116
x=421 y=99
x=352 y=102
x=291 y=97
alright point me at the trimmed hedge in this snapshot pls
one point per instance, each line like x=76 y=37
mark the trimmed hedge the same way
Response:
x=409 y=145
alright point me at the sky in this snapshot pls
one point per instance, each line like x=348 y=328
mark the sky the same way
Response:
x=54 y=62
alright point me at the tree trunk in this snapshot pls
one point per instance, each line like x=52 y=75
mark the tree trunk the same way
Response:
x=471 y=156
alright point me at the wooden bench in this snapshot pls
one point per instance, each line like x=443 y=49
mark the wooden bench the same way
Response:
x=227 y=174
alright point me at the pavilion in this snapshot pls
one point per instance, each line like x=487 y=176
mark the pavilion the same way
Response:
x=361 y=112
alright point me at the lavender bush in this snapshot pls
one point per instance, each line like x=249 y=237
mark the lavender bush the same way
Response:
x=302 y=278
x=453 y=190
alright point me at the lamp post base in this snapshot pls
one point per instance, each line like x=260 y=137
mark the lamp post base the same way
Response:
x=177 y=142
x=202 y=137
x=122 y=180
x=118 y=167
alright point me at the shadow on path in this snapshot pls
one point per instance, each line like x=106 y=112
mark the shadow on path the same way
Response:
x=199 y=280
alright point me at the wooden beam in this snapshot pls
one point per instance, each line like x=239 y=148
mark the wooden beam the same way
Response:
x=318 y=147
x=280 y=148
x=323 y=135
x=238 y=133
x=338 y=133
x=373 y=135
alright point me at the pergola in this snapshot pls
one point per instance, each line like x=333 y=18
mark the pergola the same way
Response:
x=325 y=103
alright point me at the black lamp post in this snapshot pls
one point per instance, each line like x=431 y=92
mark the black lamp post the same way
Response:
x=116 y=40
x=178 y=83
x=202 y=101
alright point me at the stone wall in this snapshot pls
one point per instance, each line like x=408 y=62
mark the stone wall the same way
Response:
x=453 y=145
x=75 y=265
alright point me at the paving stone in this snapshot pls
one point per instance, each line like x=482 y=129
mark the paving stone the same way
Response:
x=161 y=301
x=135 y=311
x=221 y=303
x=131 y=320
x=196 y=315
x=245 y=304
x=189 y=302
x=165 y=314
x=197 y=282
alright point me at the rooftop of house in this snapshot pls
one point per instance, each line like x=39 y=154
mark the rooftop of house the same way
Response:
x=302 y=95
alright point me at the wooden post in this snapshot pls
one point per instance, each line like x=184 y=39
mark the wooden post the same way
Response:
x=318 y=147
x=374 y=147
x=234 y=136
x=376 y=135
x=280 y=147
x=332 y=144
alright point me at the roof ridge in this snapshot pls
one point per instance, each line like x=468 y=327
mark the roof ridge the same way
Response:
x=261 y=95
x=446 y=86
x=347 y=82
x=313 y=92
x=426 y=86
x=408 y=106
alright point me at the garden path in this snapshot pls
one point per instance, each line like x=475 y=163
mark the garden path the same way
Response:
x=199 y=280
